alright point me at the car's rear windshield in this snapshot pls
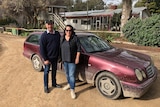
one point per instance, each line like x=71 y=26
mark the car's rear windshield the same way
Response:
x=34 y=39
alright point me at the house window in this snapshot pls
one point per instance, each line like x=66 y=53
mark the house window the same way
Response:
x=49 y=9
x=85 y=22
x=75 y=21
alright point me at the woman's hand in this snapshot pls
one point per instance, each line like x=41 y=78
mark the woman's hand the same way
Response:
x=76 y=60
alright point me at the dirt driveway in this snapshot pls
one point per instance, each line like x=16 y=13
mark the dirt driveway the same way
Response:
x=21 y=86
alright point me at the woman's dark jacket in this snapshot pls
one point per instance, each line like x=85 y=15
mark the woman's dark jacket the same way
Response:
x=75 y=47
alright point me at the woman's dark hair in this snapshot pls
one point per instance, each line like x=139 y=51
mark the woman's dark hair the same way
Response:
x=72 y=29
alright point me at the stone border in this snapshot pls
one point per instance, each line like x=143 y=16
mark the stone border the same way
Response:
x=123 y=42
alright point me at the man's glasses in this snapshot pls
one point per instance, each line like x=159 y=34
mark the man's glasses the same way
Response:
x=68 y=30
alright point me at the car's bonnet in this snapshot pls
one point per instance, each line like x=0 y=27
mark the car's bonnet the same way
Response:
x=125 y=57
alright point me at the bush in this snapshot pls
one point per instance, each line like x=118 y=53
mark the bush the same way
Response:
x=108 y=36
x=143 y=32
x=7 y=21
x=25 y=34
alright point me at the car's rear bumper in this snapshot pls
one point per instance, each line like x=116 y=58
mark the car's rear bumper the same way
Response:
x=137 y=90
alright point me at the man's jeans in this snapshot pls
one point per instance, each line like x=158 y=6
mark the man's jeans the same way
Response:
x=70 y=73
x=53 y=74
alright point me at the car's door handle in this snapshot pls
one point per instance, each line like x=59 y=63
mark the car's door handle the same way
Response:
x=89 y=65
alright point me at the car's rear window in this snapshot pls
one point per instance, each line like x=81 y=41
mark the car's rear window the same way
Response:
x=34 y=39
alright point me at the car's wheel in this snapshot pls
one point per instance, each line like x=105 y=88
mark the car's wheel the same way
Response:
x=37 y=63
x=108 y=85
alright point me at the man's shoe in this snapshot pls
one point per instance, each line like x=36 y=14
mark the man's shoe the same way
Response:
x=46 y=90
x=57 y=86
x=66 y=87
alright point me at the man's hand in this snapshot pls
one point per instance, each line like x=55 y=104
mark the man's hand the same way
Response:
x=46 y=62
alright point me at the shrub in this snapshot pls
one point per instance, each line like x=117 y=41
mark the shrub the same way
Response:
x=108 y=36
x=25 y=34
x=7 y=21
x=143 y=32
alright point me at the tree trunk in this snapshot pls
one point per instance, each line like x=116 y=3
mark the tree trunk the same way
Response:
x=126 y=13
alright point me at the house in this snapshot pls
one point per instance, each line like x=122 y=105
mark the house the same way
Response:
x=52 y=12
x=98 y=19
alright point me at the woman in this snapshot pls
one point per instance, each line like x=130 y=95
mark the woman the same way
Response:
x=70 y=53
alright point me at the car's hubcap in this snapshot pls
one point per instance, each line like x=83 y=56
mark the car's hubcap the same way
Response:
x=107 y=86
x=36 y=63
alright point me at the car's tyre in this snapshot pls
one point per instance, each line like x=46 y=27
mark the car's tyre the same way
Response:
x=108 y=85
x=37 y=63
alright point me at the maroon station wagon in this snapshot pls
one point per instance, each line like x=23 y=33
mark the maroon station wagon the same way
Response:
x=113 y=71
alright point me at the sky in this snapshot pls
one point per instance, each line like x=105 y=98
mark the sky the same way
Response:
x=110 y=1
x=116 y=1
x=119 y=1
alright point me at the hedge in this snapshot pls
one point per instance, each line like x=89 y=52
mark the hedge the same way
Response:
x=144 y=32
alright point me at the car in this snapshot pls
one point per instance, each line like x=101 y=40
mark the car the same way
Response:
x=114 y=71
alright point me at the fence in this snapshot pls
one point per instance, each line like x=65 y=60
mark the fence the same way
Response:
x=17 y=31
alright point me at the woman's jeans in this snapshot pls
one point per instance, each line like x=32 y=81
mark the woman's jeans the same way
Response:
x=70 y=73
x=53 y=73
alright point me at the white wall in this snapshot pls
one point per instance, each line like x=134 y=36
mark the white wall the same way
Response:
x=77 y=25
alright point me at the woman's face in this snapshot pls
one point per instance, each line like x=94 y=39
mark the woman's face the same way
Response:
x=68 y=30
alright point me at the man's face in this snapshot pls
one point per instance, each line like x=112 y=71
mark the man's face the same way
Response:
x=49 y=27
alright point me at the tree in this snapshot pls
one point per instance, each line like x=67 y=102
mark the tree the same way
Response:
x=115 y=21
x=12 y=7
x=126 y=12
x=78 y=5
x=30 y=9
x=95 y=4
x=152 y=5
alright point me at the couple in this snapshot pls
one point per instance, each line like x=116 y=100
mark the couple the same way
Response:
x=50 y=43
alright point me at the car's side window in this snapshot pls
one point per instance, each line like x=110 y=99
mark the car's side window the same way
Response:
x=93 y=44
x=34 y=39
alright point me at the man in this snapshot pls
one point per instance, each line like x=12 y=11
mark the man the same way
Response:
x=49 y=50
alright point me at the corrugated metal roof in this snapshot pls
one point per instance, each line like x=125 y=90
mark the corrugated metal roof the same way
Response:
x=57 y=6
x=139 y=9
x=101 y=12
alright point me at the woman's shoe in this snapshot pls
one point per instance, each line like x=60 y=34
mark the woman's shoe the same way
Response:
x=73 y=95
x=66 y=87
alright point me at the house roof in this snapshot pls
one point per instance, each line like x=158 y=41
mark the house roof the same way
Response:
x=56 y=6
x=105 y=12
